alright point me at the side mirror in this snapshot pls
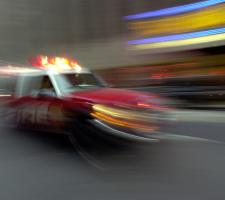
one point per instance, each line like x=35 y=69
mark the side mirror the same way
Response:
x=46 y=93
x=110 y=85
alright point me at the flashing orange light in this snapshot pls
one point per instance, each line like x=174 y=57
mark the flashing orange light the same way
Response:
x=75 y=65
x=59 y=63
x=119 y=122
x=44 y=60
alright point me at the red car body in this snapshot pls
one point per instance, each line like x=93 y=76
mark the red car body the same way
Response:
x=70 y=101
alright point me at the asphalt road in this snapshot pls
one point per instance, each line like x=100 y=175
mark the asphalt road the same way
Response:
x=188 y=164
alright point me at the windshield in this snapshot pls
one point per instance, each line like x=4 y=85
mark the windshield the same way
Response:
x=75 y=82
x=83 y=80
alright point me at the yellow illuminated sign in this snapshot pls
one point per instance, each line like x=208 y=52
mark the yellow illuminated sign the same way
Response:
x=203 y=19
x=178 y=43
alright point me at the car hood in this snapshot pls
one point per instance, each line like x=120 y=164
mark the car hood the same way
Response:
x=117 y=97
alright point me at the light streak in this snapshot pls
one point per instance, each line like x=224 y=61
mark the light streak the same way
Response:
x=174 y=10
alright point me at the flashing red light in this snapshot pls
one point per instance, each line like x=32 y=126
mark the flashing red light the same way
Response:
x=46 y=62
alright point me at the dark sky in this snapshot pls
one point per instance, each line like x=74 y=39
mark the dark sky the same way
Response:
x=30 y=26
x=146 y=5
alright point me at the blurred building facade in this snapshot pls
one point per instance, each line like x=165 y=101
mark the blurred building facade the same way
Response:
x=91 y=30
x=31 y=26
x=58 y=26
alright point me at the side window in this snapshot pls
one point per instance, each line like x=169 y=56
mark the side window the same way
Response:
x=29 y=84
x=7 y=85
x=32 y=85
x=46 y=83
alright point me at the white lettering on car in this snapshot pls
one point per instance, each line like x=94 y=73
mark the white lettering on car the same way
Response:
x=42 y=113
x=33 y=114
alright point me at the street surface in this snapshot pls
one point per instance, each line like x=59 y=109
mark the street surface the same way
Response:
x=189 y=163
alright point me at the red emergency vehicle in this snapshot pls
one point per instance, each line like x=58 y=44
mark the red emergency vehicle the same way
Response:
x=60 y=96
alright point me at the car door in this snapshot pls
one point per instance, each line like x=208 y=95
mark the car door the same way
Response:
x=48 y=109
x=38 y=105
x=7 y=89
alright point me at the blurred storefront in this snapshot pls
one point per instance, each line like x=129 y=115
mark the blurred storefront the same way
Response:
x=189 y=38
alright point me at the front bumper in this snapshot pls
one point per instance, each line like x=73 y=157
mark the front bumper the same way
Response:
x=137 y=125
x=124 y=134
x=159 y=120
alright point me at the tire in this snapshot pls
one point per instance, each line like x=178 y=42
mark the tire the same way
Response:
x=93 y=141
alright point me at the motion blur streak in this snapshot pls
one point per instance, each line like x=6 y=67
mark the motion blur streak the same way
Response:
x=127 y=114
x=174 y=10
x=123 y=123
x=198 y=34
x=126 y=118
x=194 y=21
x=186 y=42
